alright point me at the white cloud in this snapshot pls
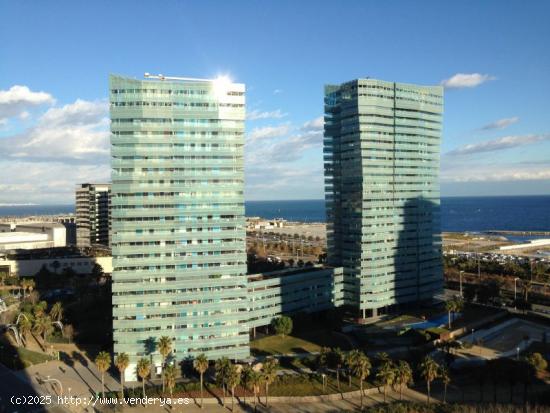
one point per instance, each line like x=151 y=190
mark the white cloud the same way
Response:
x=505 y=142
x=501 y=123
x=74 y=133
x=493 y=172
x=256 y=114
x=464 y=80
x=277 y=91
x=18 y=99
x=52 y=182
x=267 y=132
x=316 y=124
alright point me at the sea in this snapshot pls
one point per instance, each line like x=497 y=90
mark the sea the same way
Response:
x=458 y=214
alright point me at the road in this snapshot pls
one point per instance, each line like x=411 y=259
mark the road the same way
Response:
x=13 y=386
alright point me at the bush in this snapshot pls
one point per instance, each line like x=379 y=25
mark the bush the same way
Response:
x=537 y=361
x=282 y=325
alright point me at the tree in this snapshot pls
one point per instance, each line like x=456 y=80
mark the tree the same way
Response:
x=103 y=363
x=256 y=380
x=386 y=375
x=282 y=325
x=164 y=347
x=42 y=326
x=200 y=364
x=233 y=380
x=222 y=367
x=143 y=370
x=361 y=369
x=24 y=327
x=323 y=357
x=537 y=361
x=121 y=363
x=349 y=362
x=429 y=371
x=56 y=313
x=170 y=376
x=403 y=376
x=446 y=379
x=337 y=360
x=28 y=285
x=453 y=306
x=269 y=372
x=68 y=332
x=246 y=379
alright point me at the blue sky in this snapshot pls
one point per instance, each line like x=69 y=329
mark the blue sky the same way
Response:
x=55 y=58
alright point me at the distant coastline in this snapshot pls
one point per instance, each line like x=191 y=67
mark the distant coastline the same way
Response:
x=458 y=214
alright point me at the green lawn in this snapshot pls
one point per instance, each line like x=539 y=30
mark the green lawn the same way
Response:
x=282 y=345
x=19 y=357
x=299 y=342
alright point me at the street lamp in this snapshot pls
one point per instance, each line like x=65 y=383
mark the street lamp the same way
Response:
x=460 y=275
x=517 y=353
x=473 y=330
x=57 y=382
x=324 y=376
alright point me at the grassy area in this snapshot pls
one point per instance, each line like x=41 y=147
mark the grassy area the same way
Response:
x=398 y=321
x=299 y=342
x=282 y=345
x=19 y=357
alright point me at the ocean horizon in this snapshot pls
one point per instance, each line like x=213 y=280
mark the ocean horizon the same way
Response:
x=458 y=214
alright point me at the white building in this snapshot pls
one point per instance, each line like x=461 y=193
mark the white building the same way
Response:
x=32 y=235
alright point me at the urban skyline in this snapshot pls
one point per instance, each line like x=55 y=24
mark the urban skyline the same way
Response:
x=54 y=127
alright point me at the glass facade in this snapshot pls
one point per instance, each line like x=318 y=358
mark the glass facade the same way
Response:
x=381 y=155
x=178 y=226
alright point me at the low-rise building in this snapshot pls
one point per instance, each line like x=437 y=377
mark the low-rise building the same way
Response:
x=31 y=235
x=25 y=264
x=292 y=291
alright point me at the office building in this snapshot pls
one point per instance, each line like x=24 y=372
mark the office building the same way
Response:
x=381 y=150
x=93 y=215
x=178 y=226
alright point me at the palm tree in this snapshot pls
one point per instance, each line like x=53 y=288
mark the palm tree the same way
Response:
x=222 y=367
x=323 y=357
x=386 y=374
x=233 y=380
x=164 y=347
x=103 y=363
x=269 y=372
x=446 y=379
x=246 y=379
x=349 y=361
x=200 y=364
x=56 y=313
x=24 y=326
x=143 y=370
x=429 y=371
x=256 y=380
x=338 y=360
x=121 y=363
x=170 y=378
x=404 y=376
x=450 y=307
x=361 y=368
x=42 y=326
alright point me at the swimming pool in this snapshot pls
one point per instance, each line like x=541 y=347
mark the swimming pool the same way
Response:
x=438 y=321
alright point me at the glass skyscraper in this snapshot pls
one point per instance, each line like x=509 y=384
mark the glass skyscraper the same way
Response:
x=178 y=226
x=381 y=151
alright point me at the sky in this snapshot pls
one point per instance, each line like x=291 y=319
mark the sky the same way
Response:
x=492 y=57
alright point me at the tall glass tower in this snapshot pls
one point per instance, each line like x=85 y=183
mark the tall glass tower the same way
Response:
x=381 y=151
x=178 y=226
